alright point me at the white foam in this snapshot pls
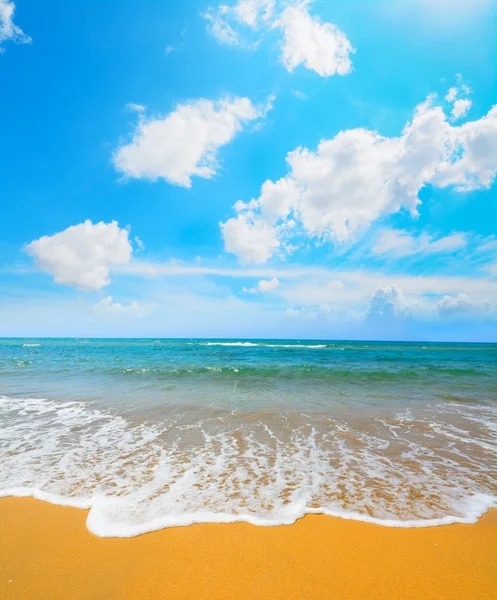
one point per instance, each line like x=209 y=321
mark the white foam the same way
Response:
x=296 y=345
x=246 y=344
x=251 y=344
x=30 y=345
x=103 y=520
x=136 y=477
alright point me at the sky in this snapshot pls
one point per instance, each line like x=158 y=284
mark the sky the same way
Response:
x=262 y=168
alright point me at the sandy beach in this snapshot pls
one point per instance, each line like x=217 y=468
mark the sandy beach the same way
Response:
x=46 y=553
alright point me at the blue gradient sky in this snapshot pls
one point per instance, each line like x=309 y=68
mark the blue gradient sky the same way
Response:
x=65 y=117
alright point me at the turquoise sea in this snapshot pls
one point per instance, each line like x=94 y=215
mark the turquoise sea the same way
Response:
x=156 y=433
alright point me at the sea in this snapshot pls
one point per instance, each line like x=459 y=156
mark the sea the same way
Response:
x=156 y=433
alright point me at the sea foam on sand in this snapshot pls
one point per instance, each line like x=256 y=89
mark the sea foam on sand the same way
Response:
x=135 y=475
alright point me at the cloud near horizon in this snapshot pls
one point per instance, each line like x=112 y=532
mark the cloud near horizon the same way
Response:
x=107 y=307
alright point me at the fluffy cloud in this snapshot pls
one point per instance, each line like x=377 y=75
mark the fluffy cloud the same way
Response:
x=224 y=22
x=185 y=143
x=358 y=176
x=81 y=255
x=253 y=240
x=451 y=94
x=108 y=308
x=462 y=304
x=220 y=28
x=265 y=285
x=389 y=302
x=9 y=31
x=253 y=12
x=268 y=285
x=461 y=108
x=462 y=105
x=400 y=243
x=320 y=47
x=470 y=161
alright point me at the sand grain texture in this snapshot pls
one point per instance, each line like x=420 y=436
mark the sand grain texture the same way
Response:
x=46 y=553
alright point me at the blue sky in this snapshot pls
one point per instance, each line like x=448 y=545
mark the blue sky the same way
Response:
x=286 y=169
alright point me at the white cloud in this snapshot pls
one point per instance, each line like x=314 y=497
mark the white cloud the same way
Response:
x=320 y=47
x=252 y=12
x=252 y=240
x=309 y=285
x=8 y=30
x=359 y=176
x=470 y=161
x=461 y=108
x=224 y=22
x=315 y=293
x=108 y=308
x=388 y=302
x=462 y=105
x=487 y=244
x=81 y=255
x=219 y=27
x=139 y=108
x=185 y=143
x=300 y=95
x=268 y=285
x=265 y=285
x=340 y=295
x=398 y=242
x=169 y=49
x=357 y=295
x=461 y=304
x=451 y=94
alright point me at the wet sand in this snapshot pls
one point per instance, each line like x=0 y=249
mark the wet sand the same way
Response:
x=46 y=553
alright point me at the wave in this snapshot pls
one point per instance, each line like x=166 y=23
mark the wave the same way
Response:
x=253 y=344
x=246 y=344
x=137 y=476
x=307 y=372
x=298 y=346
x=30 y=345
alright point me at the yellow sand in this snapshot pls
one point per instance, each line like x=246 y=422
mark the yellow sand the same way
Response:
x=46 y=553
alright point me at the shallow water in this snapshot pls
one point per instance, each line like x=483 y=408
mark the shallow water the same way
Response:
x=157 y=433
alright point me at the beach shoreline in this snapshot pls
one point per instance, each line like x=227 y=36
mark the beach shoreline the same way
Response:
x=46 y=552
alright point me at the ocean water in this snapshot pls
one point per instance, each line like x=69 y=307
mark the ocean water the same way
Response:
x=150 y=434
